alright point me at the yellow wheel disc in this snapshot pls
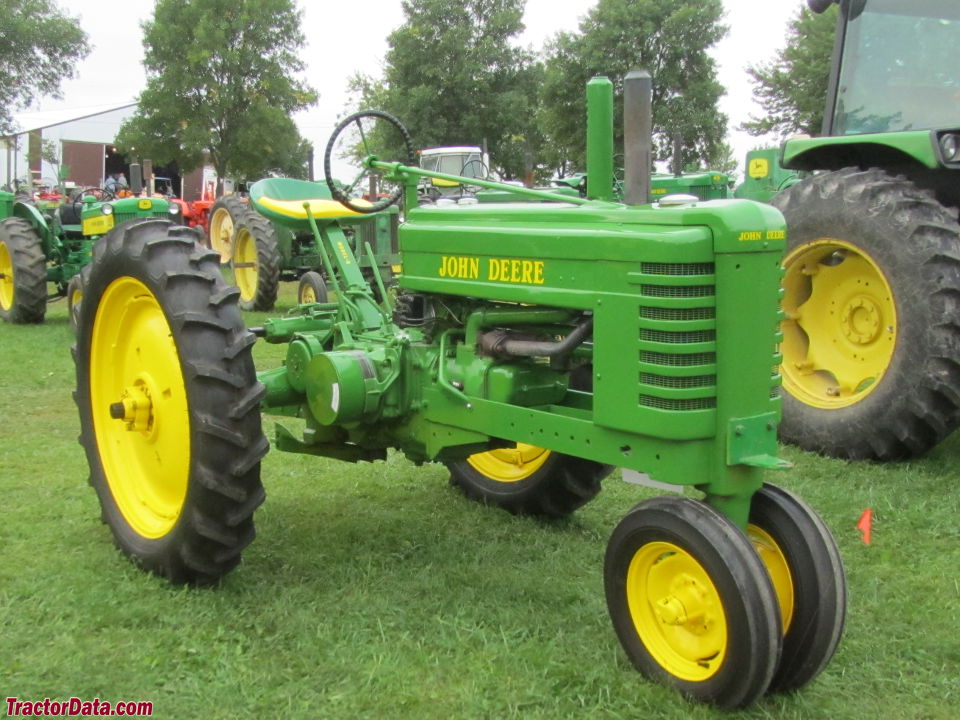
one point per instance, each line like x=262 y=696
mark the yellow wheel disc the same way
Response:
x=221 y=234
x=75 y=297
x=307 y=295
x=245 y=264
x=779 y=569
x=677 y=611
x=139 y=407
x=840 y=329
x=6 y=277
x=510 y=464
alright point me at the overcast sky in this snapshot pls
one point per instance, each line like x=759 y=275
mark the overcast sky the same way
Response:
x=344 y=38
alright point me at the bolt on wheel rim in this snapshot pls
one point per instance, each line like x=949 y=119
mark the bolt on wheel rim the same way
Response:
x=139 y=407
x=840 y=329
x=221 y=234
x=677 y=611
x=511 y=464
x=778 y=568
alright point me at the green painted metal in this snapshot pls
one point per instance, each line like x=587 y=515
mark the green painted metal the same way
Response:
x=600 y=139
x=808 y=153
x=764 y=176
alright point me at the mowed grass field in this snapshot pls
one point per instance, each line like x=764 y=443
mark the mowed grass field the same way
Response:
x=378 y=591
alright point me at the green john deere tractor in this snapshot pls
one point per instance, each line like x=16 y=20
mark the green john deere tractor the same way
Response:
x=871 y=339
x=531 y=347
x=52 y=245
x=266 y=250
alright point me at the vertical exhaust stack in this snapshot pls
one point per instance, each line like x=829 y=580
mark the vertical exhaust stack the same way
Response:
x=637 y=136
x=136 y=178
x=600 y=139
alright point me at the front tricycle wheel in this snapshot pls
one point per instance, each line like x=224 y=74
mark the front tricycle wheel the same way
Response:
x=169 y=402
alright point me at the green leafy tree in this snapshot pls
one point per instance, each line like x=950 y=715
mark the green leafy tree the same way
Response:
x=453 y=78
x=221 y=81
x=38 y=48
x=792 y=89
x=669 y=39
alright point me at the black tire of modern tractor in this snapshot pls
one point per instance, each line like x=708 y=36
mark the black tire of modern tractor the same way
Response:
x=225 y=213
x=554 y=490
x=915 y=242
x=260 y=285
x=214 y=521
x=26 y=301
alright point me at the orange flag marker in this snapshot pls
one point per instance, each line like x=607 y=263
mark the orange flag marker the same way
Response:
x=864 y=525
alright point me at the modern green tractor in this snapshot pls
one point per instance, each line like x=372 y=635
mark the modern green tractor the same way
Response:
x=40 y=246
x=871 y=339
x=531 y=347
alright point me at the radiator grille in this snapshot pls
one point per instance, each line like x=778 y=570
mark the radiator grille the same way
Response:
x=677 y=291
x=676 y=359
x=683 y=404
x=678 y=314
x=682 y=337
x=652 y=268
x=678 y=383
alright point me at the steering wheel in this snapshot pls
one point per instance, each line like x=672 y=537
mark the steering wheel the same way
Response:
x=100 y=194
x=370 y=135
x=483 y=173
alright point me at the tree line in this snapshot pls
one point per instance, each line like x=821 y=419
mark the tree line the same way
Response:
x=222 y=79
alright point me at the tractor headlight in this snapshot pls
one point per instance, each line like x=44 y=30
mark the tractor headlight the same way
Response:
x=107 y=209
x=174 y=209
x=950 y=147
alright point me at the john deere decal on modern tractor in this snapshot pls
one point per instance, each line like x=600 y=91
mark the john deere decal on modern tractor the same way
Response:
x=531 y=347
x=871 y=347
x=52 y=246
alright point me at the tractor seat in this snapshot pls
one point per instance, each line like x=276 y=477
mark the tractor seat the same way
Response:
x=282 y=201
x=70 y=213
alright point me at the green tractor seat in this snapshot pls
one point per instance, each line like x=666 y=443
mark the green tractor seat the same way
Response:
x=285 y=201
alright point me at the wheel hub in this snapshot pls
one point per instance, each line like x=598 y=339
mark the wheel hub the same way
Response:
x=861 y=320
x=685 y=606
x=135 y=408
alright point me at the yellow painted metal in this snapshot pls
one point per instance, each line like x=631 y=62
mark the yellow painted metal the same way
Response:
x=245 y=266
x=6 y=277
x=840 y=329
x=319 y=208
x=677 y=611
x=779 y=570
x=510 y=464
x=307 y=294
x=221 y=233
x=145 y=454
x=98 y=225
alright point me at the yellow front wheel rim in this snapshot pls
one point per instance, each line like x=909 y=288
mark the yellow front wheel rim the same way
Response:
x=510 y=464
x=245 y=264
x=840 y=329
x=778 y=569
x=139 y=408
x=677 y=611
x=6 y=277
x=307 y=295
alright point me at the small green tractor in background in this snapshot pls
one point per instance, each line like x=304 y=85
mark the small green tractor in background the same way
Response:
x=871 y=338
x=531 y=347
x=51 y=244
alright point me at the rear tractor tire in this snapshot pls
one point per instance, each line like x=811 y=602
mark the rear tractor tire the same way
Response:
x=169 y=402
x=23 y=273
x=871 y=338
x=256 y=262
x=225 y=213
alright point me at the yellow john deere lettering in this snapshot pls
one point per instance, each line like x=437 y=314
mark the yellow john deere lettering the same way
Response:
x=505 y=270
x=750 y=235
x=776 y=234
x=97 y=225
x=344 y=253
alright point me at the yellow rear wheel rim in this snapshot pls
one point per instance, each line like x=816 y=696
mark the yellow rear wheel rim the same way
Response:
x=840 y=329
x=510 y=464
x=778 y=569
x=134 y=363
x=245 y=264
x=6 y=277
x=221 y=234
x=677 y=611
